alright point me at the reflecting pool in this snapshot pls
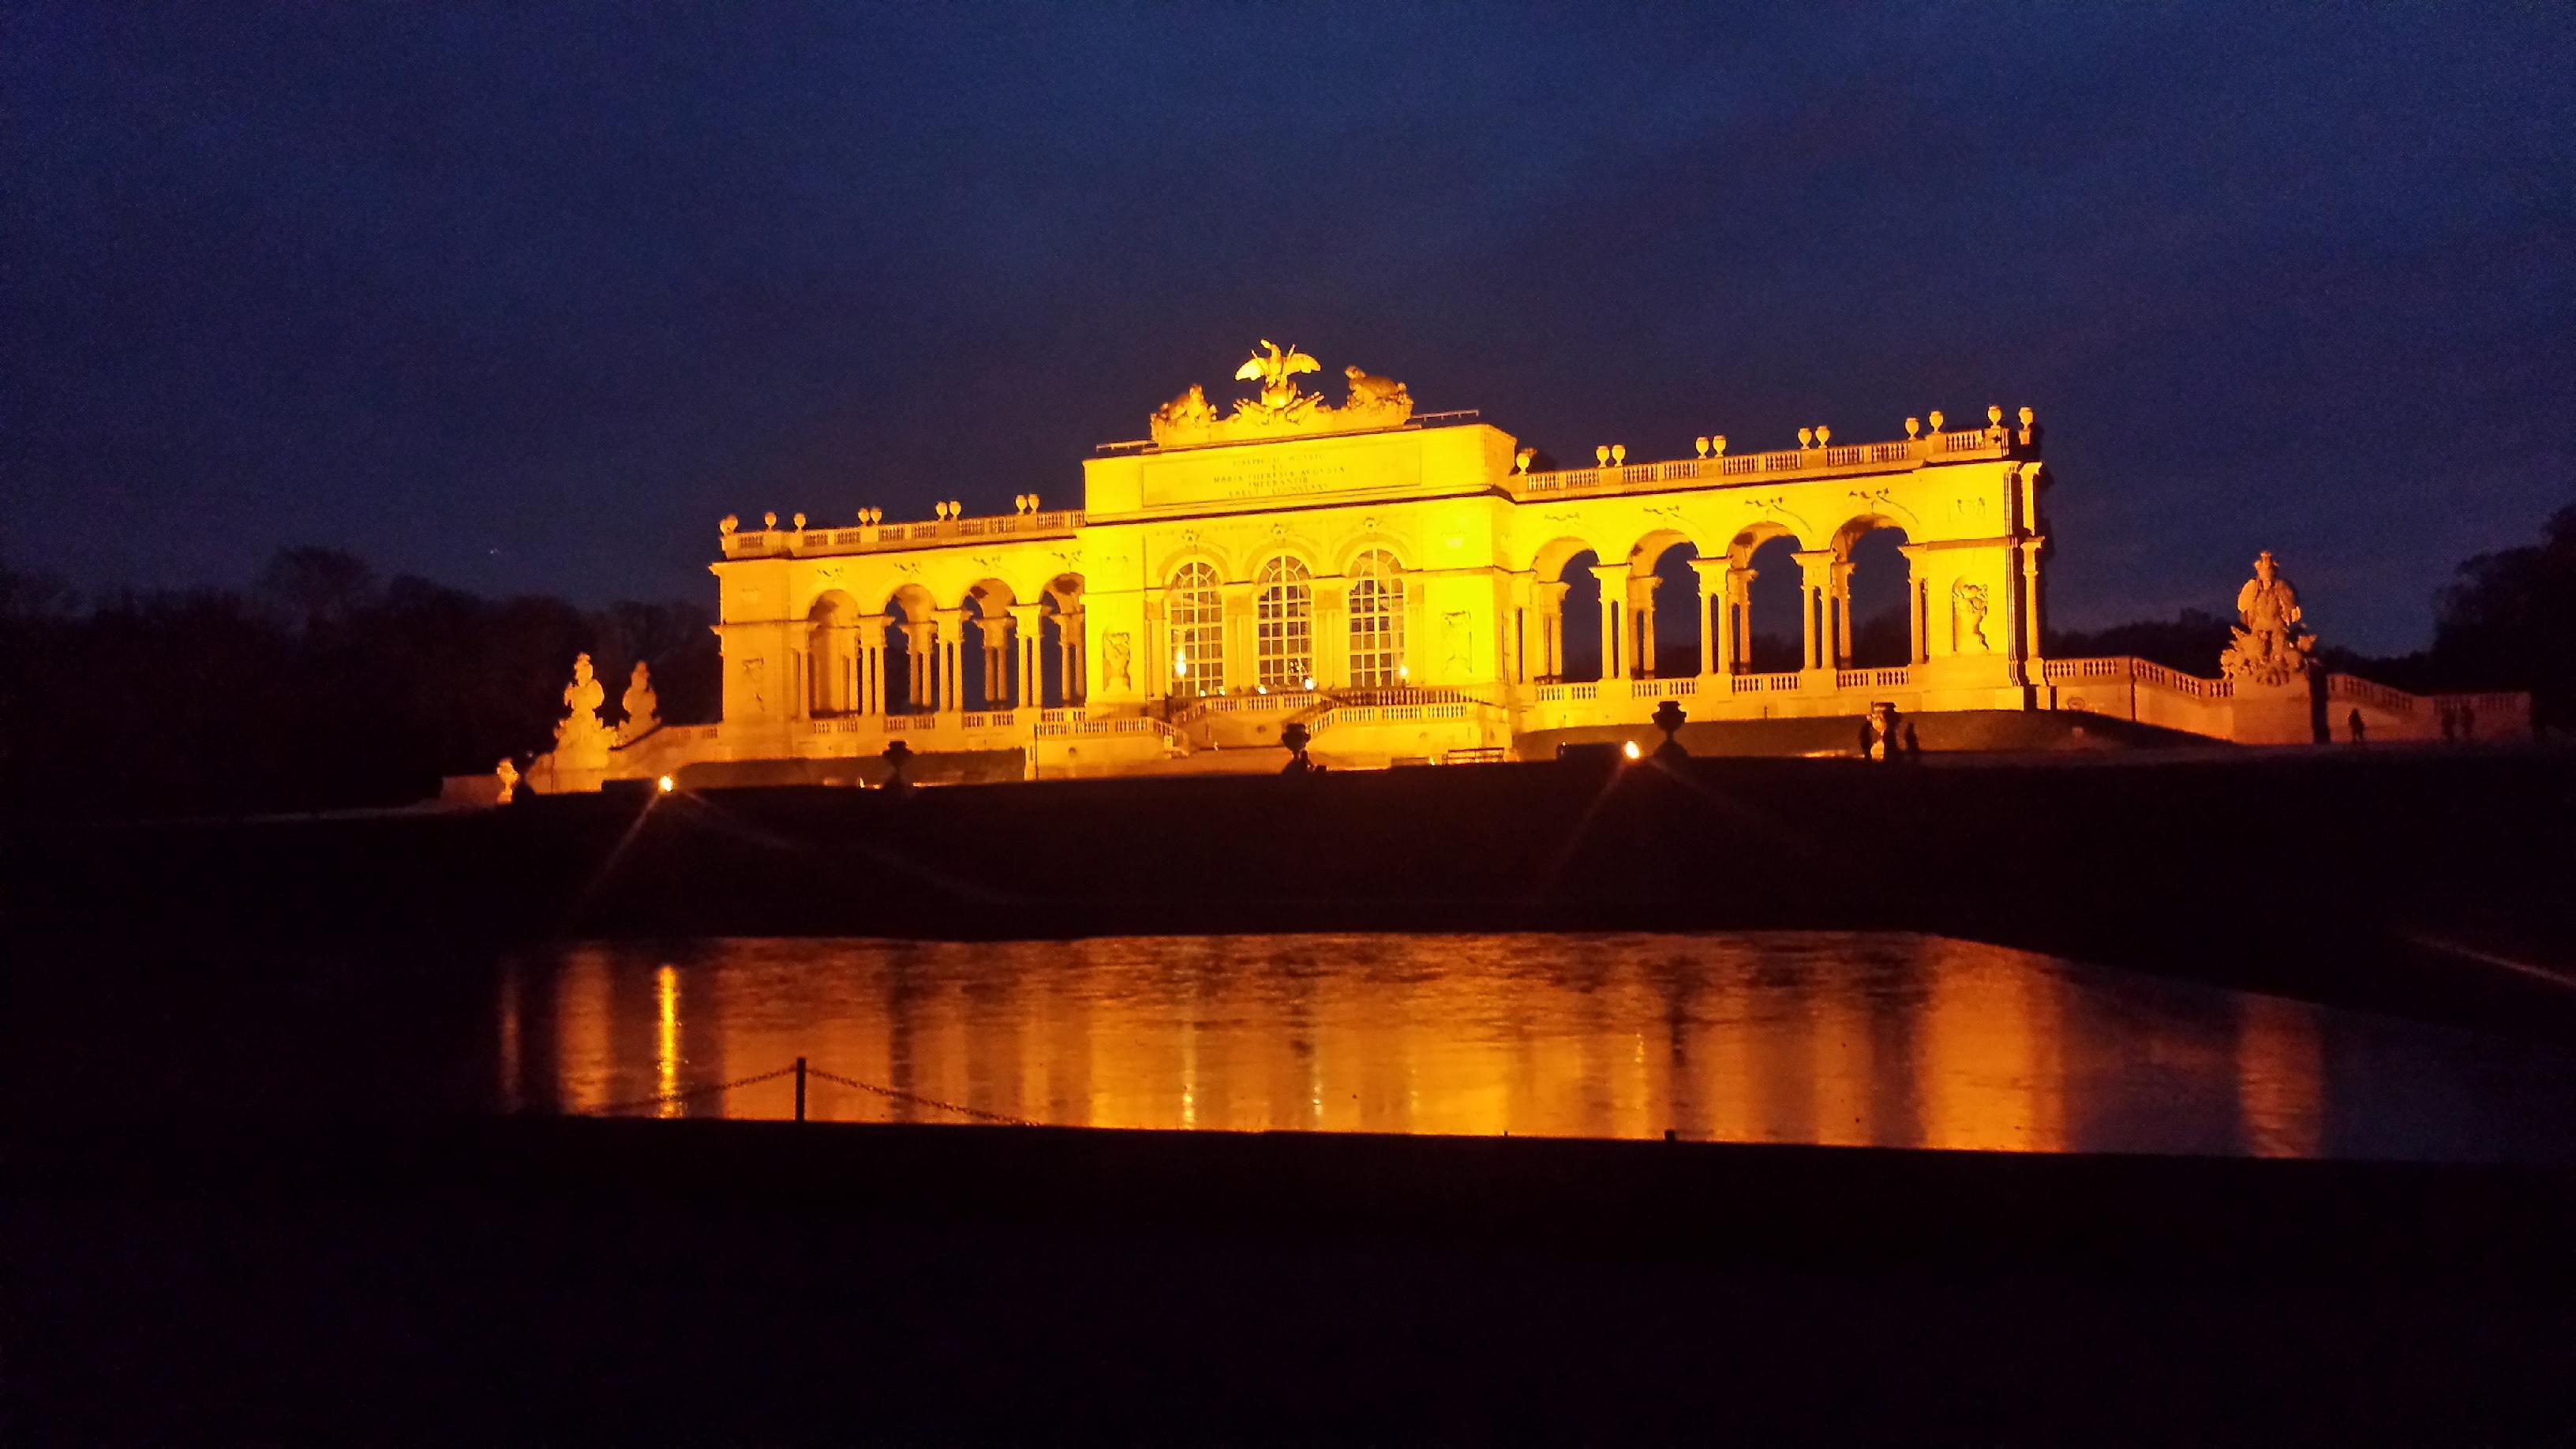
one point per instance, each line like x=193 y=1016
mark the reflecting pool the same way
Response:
x=1880 y=1039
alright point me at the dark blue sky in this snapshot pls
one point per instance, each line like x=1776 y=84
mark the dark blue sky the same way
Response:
x=527 y=298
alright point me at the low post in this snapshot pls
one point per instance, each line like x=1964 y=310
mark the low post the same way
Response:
x=800 y=1089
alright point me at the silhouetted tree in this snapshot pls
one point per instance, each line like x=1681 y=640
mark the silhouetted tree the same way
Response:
x=2509 y=622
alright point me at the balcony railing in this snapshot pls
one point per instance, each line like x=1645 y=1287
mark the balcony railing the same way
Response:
x=1741 y=468
x=873 y=537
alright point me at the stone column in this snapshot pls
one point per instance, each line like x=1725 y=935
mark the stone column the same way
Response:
x=995 y=635
x=1549 y=600
x=869 y=690
x=1072 y=637
x=1917 y=605
x=1711 y=574
x=951 y=626
x=1641 y=624
x=1614 y=600
x=1738 y=634
x=2029 y=631
x=1842 y=615
x=1816 y=590
x=920 y=643
x=1027 y=625
x=1155 y=669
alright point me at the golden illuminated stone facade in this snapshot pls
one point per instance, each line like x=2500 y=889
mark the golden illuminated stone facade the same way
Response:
x=1394 y=582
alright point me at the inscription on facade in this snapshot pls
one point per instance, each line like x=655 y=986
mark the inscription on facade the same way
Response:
x=1255 y=474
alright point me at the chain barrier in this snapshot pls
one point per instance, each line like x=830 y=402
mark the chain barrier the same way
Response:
x=658 y=1098
x=662 y=1098
x=917 y=1097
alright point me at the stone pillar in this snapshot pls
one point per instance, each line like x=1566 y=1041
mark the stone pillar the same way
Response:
x=1918 y=596
x=1027 y=624
x=994 y=634
x=2029 y=632
x=1076 y=663
x=1842 y=614
x=869 y=689
x=1641 y=624
x=1711 y=575
x=1155 y=669
x=1738 y=634
x=1614 y=597
x=1815 y=623
x=920 y=643
x=1549 y=601
x=951 y=681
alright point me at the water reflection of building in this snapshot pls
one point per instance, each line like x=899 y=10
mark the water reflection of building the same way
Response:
x=1891 y=1041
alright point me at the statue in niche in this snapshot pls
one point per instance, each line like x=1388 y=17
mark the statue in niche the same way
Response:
x=2271 y=645
x=1968 y=618
x=1116 y=649
x=643 y=710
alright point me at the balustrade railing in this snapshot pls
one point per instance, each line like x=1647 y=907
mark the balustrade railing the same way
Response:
x=1905 y=453
x=869 y=538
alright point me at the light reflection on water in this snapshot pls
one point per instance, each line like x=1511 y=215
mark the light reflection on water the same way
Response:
x=1890 y=1040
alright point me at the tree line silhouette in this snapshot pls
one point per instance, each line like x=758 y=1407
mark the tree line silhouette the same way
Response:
x=322 y=686
x=318 y=686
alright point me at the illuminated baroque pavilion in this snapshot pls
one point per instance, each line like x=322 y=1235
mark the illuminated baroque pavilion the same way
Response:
x=1396 y=583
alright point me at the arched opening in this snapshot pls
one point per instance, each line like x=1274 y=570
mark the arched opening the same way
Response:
x=986 y=668
x=1771 y=635
x=1883 y=625
x=911 y=652
x=1666 y=617
x=1579 y=618
x=1062 y=671
x=829 y=661
x=1284 y=625
x=1194 y=619
x=1376 y=610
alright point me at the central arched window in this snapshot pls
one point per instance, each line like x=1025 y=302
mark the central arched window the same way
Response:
x=1196 y=614
x=1377 y=622
x=1286 y=620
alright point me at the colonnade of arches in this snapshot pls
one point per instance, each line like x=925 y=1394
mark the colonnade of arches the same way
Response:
x=992 y=651
x=1762 y=604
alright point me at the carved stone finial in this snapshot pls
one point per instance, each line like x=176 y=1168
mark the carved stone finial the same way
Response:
x=727 y=524
x=1717 y=445
x=1522 y=459
x=581 y=739
x=1824 y=435
x=1601 y=455
x=1619 y=454
x=1935 y=416
x=1806 y=437
x=1913 y=427
x=800 y=523
x=508 y=776
x=1669 y=718
x=769 y=519
x=1699 y=445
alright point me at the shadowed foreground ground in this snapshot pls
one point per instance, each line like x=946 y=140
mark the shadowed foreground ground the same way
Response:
x=592 y=1281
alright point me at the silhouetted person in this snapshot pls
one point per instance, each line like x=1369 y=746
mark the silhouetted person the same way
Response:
x=1913 y=746
x=2352 y=722
x=1868 y=735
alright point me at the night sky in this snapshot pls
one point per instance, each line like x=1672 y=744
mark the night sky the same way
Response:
x=526 y=299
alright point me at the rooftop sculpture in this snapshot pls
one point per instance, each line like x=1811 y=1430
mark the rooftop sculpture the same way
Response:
x=1279 y=406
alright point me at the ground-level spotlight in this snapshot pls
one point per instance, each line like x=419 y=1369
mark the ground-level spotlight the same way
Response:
x=666 y=784
x=1629 y=749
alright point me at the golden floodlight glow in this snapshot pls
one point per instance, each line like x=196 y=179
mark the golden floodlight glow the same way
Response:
x=1630 y=750
x=667 y=784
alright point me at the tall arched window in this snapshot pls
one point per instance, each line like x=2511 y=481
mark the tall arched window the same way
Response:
x=1377 y=622
x=1286 y=620
x=1196 y=615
